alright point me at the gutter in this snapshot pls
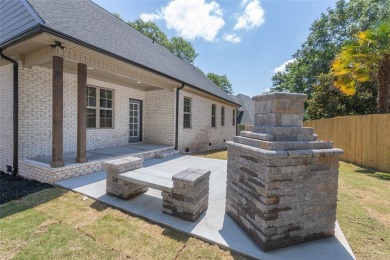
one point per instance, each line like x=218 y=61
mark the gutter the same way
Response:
x=15 y=111
x=177 y=117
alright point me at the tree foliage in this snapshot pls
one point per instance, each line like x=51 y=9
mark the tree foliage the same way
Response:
x=182 y=49
x=326 y=38
x=117 y=15
x=366 y=58
x=221 y=81
x=151 y=30
x=177 y=45
x=328 y=101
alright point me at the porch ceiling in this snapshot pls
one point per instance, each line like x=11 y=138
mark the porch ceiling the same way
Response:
x=36 y=52
x=105 y=75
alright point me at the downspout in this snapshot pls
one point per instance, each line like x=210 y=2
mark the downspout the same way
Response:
x=177 y=117
x=15 y=111
x=235 y=113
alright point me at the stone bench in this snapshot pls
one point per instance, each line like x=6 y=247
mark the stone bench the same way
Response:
x=185 y=195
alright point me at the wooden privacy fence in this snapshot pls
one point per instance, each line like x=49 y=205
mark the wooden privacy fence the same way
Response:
x=365 y=139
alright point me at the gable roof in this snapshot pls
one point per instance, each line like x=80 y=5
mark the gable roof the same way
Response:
x=247 y=108
x=89 y=24
x=15 y=18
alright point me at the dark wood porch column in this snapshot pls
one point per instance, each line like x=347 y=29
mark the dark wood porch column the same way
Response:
x=58 y=107
x=81 y=113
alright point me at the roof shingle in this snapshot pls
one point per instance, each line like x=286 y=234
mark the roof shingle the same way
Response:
x=93 y=25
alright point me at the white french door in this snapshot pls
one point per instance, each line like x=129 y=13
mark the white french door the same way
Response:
x=135 y=121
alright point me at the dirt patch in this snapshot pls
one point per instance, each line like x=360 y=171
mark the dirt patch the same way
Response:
x=13 y=188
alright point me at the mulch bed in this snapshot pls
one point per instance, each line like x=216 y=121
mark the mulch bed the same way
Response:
x=13 y=188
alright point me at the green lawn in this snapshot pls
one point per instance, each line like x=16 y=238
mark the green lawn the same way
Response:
x=60 y=224
x=364 y=210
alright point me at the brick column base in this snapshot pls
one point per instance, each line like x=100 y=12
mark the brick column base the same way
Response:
x=189 y=196
x=119 y=188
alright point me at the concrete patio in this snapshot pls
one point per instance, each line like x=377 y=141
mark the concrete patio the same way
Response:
x=213 y=226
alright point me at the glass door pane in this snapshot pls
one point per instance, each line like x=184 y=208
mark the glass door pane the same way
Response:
x=134 y=121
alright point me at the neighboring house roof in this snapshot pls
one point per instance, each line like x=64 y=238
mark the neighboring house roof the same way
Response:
x=238 y=102
x=247 y=109
x=89 y=24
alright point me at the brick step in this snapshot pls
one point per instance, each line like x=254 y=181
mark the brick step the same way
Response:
x=287 y=133
x=283 y=145
x=167 y=154
x=257 y=136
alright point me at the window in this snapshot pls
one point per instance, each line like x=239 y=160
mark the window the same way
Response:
x=222 y=116
x=187 y=113
x=213 y=113
x=234 y=116
x=99 y=108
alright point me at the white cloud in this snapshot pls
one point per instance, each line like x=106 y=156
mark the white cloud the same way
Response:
x=282 y=68
x=233 y=38
x=149 y=17
x=252 y=17
x=244 y=2
x=191 y=19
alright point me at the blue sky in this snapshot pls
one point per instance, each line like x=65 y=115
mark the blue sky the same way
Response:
x=247 y=40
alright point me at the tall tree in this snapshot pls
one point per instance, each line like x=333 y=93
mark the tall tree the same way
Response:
x=117 y=15
x=221 y=81
x=177 y=45
x=366 y=58
x=151 y=30
x=182 y=49
x=327 y=35
x=328 y=101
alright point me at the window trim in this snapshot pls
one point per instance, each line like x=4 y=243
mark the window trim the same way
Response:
x=187 y=113
x=98 y=108
x=222 y=116
x=213 y=115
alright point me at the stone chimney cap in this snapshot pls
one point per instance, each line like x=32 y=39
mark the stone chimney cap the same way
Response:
x=279 y=95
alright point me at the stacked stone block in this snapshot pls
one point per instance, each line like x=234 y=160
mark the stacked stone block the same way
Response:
x=189 y=196
x=282 y=182
x=120 y=188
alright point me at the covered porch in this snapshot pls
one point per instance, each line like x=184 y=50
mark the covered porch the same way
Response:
x=56 y=76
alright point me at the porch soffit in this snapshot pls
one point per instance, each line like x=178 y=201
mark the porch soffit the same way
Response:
x=37 y=52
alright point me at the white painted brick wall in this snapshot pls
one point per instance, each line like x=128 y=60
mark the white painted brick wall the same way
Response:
x=6 y=90
x=159 y=117
x=103 y=138
x=36 y=113
x=198 y=137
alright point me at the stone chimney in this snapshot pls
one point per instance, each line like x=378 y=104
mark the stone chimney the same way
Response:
x=282 y=181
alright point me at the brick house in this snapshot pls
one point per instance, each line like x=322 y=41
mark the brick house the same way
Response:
x=83 y=79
